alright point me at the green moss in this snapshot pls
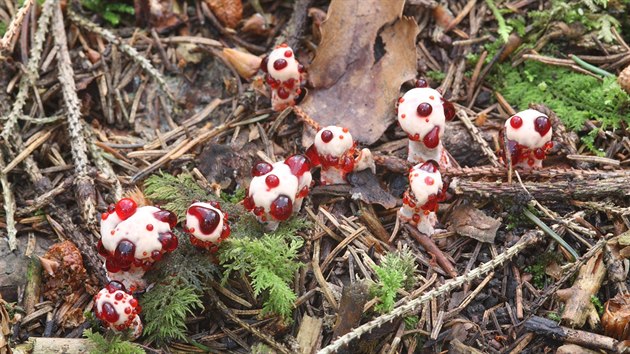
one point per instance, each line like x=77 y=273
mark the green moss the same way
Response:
x=395 y=272
x=111 y=343
x=111 y=11
x=574 y=97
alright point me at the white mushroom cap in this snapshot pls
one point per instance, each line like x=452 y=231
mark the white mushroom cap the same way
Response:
x=290 y=71
x=424 y=183
x=521 y=128
x=194 y=227
x=339 y=143
x=141 y=228
x=409 y=118
x=118 y=309
x=263 y=195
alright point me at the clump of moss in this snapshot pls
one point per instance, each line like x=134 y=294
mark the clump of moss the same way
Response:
x=396 y=271
x=574 y=97
x=111 y=343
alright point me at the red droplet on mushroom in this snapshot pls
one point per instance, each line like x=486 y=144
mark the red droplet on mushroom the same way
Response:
x=347 y=164
x=313 y=156
x=133 y=303
x=104 y=216
x=280 y=64
x=539 y=153
x=208 y=218
x=264 y=63
x=156 y=255
x=114 y=286
x=119 y=296
x=327 y=136
x=430 y=166
x=422 y=83
x=424 y=109
x=432 y=139
x=149 y=227
x=299 y=164
x=272 y=181
x=168 y=240
x=429 y=180
x=101 y=249
x=248 y=203
x=109 y=313
x=283 y=93
x=281 y=208
x=111 y=208
x=449 y=110
x=401 y=100
x=290 y=83
x=261 y=168
x=301 y=68
x=125 y=208
x=167 y=217
x=271 y=81
x=542 y=125
x=516 y=122
x=128 y=310
x=258 y=211
x=288 y=53
x=111 y=266
x=415 y=218
x=124 y=253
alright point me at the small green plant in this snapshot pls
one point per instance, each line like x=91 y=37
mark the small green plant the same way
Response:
x=539 y=276
x=111 y=343
x=271 y=262
x=598 y=304
x=3 y=28
x=176 y=192
x=111 y=11
x=504 y=30
x=395 y=272
x=554 y=316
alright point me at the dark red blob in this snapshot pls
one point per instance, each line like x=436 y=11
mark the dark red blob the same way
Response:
x=261 y=168
x=133 y=303
x=281 y=208
x=114 y=286
x=167 y=217
x=168 y=240
x=271 y=81
x=516 y=122
x=539 y=153
x=264 y=63
x=313 y=155
x=208 y=219
x=119 y=296
x=283 y=93
x=248 y=203
x=301 y=68
x=124 y=253
x=272 y=181
x=432 y=139
x=111 y=208
x=542 y=125
x=327 y=136
x=514 y=149
x=111 y=266
x=422 y=83
x=288 y=54
x=125 y=208
x=347 y=164
x=299 y=164
x=280 y=64
x=290 y=83
x=449 y=110
x=156 y=255
x=101 y=249
x=109 y=313
x=258 y=211
x=424 y=109
x=430 y=166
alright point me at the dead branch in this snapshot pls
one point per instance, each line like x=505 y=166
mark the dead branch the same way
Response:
x=84 y=184
x=431 y=248
x=9 y=205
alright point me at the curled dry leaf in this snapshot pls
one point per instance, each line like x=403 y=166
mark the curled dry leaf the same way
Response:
x=257 y=25
x=624 y=79
x=616 y=318
x=367 y=51
x=469 y=221
x=162 y=15
x=229 y=12
x=246 y=64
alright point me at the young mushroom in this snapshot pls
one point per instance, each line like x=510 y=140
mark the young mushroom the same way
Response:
x=133 y=238
x=422 y=114
x=207 y=225
x=284 y=76
x=528 y=134
x=420 y=201
x=118 y=309
x=277 y=190
x=337 y=154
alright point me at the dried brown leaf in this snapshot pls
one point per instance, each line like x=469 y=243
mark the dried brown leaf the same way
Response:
x=352 y=84
x=246 y=64
x=469 y=221
x=229 y=12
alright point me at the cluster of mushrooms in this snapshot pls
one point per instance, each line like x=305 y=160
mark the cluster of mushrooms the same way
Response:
x=134 y=238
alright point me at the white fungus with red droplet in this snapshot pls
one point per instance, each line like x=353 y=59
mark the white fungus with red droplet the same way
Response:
x=284 y=76
x=133 y=238
x=335 y=151
x=277 y=190
x=529 y=138
x=420 y=201
x=207 y=225
x=117 y=309
x=422 y=114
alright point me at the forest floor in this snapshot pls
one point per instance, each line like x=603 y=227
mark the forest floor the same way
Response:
x=163 y=102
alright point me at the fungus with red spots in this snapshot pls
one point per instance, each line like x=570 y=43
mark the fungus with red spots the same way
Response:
x=284 y=76
x=133 y=238
x=422 y=114
x=420 y=201
x=528 y=134
x=337 y=154
x=117 y=309
x=207 y=225
x=277 y=190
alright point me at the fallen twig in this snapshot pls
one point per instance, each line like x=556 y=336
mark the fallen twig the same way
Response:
x=431 y=248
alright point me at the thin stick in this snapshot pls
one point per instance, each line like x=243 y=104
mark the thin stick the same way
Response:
x=433 y=249
x=527 y=240
x=476 y=135
x=85 y=192
x=15 y=24
x=9 y=206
